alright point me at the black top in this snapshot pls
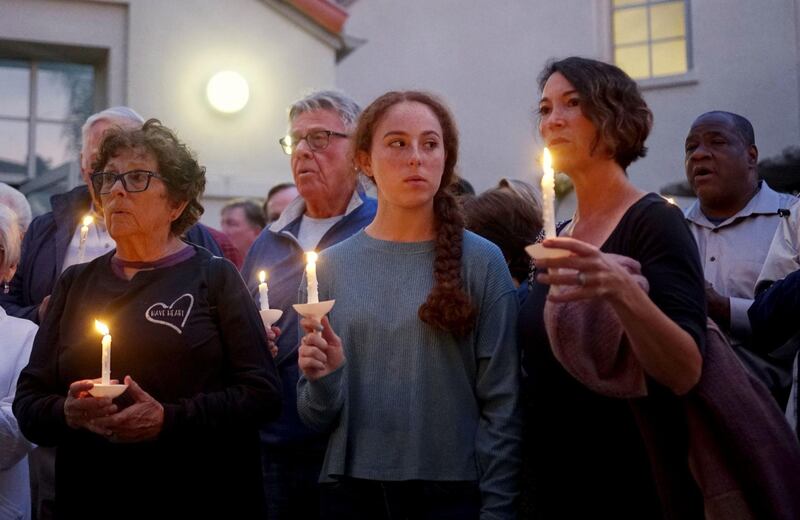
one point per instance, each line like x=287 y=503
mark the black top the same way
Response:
x=584 y=456
x=191 y=337
x=45 y=247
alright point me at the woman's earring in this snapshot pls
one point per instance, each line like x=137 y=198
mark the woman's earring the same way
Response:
x=6 y=288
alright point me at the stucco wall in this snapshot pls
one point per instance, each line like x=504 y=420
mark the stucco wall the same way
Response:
x=162 y=55
x=173 y=53
x=745 y=56
x=483 y=58
x=79 y=23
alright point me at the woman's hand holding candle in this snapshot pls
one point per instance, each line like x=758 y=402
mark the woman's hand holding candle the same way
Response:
x=320 y=350
x=80 y=408
x=141 y=421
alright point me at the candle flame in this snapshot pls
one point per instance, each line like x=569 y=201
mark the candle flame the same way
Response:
x=547 y=162
x=311 y=257
x=262 y=276
x=87 y=220
x=101 y=327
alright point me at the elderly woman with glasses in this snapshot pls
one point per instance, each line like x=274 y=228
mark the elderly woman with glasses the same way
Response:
x=183 y=438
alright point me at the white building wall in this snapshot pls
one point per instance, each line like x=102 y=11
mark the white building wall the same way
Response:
x=162 y=54
x=175 y=48
x=483 y=58
x=745 y=61
x=79 y=23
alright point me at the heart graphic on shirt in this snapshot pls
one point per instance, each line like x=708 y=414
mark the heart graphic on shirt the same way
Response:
x=174 y=315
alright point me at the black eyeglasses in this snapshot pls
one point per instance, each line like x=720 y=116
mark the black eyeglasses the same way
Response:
x=133 y=181
x=317 y=141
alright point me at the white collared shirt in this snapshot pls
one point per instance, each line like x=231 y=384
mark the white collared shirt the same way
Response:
x=733 y=251
x=784 y=251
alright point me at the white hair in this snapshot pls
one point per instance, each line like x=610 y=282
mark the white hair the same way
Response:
x=347 y=109
x=17 y=203
x=10 y=238
x=119 y=113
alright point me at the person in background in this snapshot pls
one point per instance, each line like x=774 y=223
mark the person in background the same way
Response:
x=733 y=221
x=182 y=442
x=16 y=341
x=242 y=221
x=53 y=241
x=462 y=188
x=17 y=202
x=279 y=196
x=418 y=384
x=773 y=314
x=510 y=221
x=629 y=309
x=523 y=189
x=328 y=210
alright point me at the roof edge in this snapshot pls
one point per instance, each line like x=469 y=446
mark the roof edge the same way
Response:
x=322 y=19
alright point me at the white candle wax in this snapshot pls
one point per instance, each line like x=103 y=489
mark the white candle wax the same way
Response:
x=105 y=377
x=105 y=364
x=311 y=277
x=88 y=219
x=263 y=291
x=548 y=196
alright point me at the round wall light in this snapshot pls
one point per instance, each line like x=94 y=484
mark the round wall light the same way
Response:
x=227 y=91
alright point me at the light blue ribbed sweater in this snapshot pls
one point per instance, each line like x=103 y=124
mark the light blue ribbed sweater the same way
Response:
x=412 y=401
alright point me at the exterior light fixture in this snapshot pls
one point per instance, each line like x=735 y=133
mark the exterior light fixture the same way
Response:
x=228 y=92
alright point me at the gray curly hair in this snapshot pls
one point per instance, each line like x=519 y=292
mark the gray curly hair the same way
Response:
x=343 y=105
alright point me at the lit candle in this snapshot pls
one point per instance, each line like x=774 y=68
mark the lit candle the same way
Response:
x=263 y=290
x=548 y=195
x=311 y=277
x=87 y=221
x=105 y=375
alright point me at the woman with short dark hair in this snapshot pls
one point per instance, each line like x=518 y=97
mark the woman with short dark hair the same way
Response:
x=182 y=441
x=619 y=321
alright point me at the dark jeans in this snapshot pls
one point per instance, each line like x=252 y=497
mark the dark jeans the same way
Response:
x=291 y=479
x=357 y=499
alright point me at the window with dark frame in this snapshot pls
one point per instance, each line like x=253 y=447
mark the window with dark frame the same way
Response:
x=43 y=105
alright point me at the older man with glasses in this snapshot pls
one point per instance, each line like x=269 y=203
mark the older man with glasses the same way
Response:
x=329 y=209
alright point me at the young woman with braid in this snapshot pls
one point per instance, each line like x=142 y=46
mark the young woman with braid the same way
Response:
x=418 y=384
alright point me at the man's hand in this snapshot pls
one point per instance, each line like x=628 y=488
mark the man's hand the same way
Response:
x=719 y=307
x=272 y=339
